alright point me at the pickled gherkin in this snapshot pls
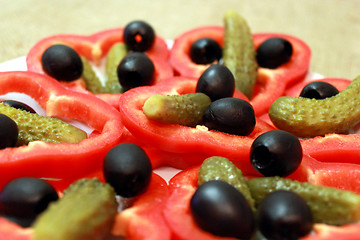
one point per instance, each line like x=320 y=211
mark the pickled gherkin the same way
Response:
x=186 y=109
x=116 y=53
x=305 y=117
x=92 y=81
x=328 y=205
x=239 y=54
x=33 y=127
x=86 y=211
x=220 y=168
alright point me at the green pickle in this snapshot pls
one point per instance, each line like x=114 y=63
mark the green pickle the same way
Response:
x=220 y=168
x=186 y=109
x=239 y=54
x=86 y=211
x=305 y=117
x=92 y=81
x=328 y=205
x=33 y=127
x=116 y=53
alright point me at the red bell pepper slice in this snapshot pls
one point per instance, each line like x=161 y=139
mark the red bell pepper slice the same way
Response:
x=183 y=185
x=94 y=48
x=271 y=83
x=12 y=231
x=144 y=219
x=187 y=145
x=338 y=160
x=59 y=160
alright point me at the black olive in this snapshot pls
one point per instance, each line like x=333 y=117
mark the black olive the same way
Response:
x=284 y=215
x=128 y=169
x=216 y=82
x=205 y=51
x=139 y=36
x=319 y=90
x=276 y=153
x=274 y=52
x=135 y=69
x=18 y=105
x=230 y=115
x=219 y=208
x=8 y=133
x=62 y=63
x=23 y=199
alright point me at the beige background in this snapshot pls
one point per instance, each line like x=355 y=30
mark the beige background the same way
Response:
x=330 y=27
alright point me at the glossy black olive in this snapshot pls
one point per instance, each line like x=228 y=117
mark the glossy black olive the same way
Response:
x=319 y=90
x=216 y=82
x=18 y=105
x=274 y=52
x=139 y=36
x=230 y=115
x=205 y=51
x=284 y=215
x=8 y=133
x=219 y=208
x=135 y=69
x=62 y=63
x=128 y=169
x=276 y=153
x=23 y=199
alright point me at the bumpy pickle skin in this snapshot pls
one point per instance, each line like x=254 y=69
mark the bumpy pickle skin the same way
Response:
x=116 y=53
x=239 y=54
x=220 y=168
x=92 y=81
x=33 y=127
x=86 y=211
x=306 y=117
x=186 y=109
x=328 y=205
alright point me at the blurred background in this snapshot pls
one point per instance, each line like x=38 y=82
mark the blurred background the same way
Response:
x=330 y=27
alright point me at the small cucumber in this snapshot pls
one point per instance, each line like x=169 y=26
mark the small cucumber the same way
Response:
x=328 y=205
x=33 y=127
x=92 y=81
x=305 y=117
x=220 y=168
x=186 y=109
x=239 y=54
x=116 y=53
x=86 y=211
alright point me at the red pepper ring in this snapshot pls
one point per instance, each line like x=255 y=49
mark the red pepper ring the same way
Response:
x=94 y=48
x=179 y=219
x=335 y=152
x=271 y=83
x=59 y=160
x=178 y=139
x=142 y=220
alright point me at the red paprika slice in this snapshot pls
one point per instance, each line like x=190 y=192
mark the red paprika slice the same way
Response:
x=12 y=231
x=59 y=160
x=271 y=83
x=144 y=219
x=94 y=48
x=178 y=215
x=182 y=142
x=338 y=160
